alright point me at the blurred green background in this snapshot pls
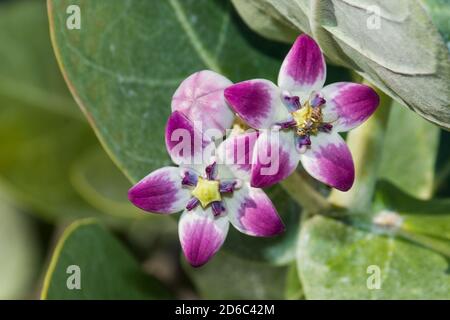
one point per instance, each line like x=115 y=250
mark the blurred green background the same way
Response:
x=53 y=171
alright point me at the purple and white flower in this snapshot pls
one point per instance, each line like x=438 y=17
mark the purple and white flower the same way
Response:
x=307 y=115
x=211 y=193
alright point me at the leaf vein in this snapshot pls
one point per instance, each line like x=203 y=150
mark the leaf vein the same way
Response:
x=120 y=77
x=194 y=39
x=223 y=31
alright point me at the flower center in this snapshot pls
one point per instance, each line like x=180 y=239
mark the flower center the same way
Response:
x=308 y=120
x=207 y=191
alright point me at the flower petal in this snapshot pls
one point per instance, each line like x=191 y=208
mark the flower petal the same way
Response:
x=257 y=102
x=350 y=103
x=304 y=69
x=329 y=160
x=236 y=153
x=160 y=192
x=251 y=211
x=274 y=159
x=201 y=234
x=200 y=98
x=185 y=143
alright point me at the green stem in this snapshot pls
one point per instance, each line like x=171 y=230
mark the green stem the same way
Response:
x=304 y=194
x=366 y=145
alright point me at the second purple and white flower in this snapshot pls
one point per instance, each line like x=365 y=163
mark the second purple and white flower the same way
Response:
x=307 y=116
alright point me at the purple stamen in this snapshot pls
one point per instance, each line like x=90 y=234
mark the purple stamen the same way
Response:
x=317 y=101
x=304 y=141
x=192 y=203
x=326 y=127
x=227 y=186
x=189 y=179
x=287 y=124
x=217 y=208
x=292 y=102
x=211 y=171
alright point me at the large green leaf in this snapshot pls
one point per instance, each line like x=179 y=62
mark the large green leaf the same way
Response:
x=19 y=252
x=408 y=239
x=417 y=75
x=409 y=152
x=107 y=270
x=334 y=260
x=254 y=14
x=127 y=59
x=229 y=277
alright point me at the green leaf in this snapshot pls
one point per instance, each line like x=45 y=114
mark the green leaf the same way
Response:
x=334 y=260
x=19 y=252
x=229 y=277
x=278 y=14
x=253 y=13
x=128 y=58
x=410 y=152
x=107 y=270
x=278 y=250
